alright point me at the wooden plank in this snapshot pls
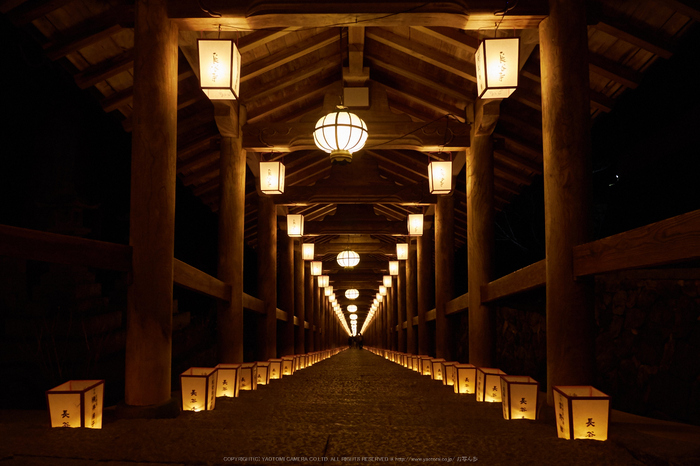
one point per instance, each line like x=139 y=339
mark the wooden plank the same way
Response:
x=105 y=70
x=689 y=8
x=260 y=38
x=430 y=315
x=126 y=96
x=282 y=315
x=638 y=37
x=459 y=304
x=676 y=239
x=34 y=9
x=194 y=279
x=254 y=304
x=455 y=37
x=610 y=69
x=525 y=279
x=63 y=249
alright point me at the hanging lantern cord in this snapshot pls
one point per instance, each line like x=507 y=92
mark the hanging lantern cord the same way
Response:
x=502 y=13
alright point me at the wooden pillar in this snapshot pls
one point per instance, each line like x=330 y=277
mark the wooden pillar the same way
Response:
x=285 y=289
x=318 y=297
x=267 y=277
x=152 y=215
x=411 y=298
x=566 y=148
x=401 y=304
x=299 y=298
x=425 y=263
x=309 y=297
x=391 y=317
x=444 y=272
x=480 y=245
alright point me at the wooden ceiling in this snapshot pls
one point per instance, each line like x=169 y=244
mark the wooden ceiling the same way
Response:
x=419 y=72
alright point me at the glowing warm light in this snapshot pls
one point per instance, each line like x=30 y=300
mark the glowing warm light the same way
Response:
x=352 y=308
x=386 y=281
x=348 y=258
x=497 y=67
x=402 y=251
x=581 y=412
x=415 y=224
x=340 y=133
x=77 y=403
x=519 y=397
x=352 y=293
x=382 y=290
x=295 y=225
x=393 y=267
x=227 y=380
x=440 y=177
x=307 y=249
x=219 y=68
x=316 y=268
x=488 y=384
x=247 y=376
x=198 y=386
x=353 y=316
x=272 y=177
x=328 y=290
x=323 y=281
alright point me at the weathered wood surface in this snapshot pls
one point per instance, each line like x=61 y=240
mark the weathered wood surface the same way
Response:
x=415 y=194
x=254 y=304
x=194 y=279
x=525 y=279
x=457 y=305
x=444 y=272
x=63 y=249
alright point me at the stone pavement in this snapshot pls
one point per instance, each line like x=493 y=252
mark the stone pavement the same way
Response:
x=354 y=408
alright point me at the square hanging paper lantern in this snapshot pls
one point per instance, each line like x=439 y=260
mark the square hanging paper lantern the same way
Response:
x=415 y=224
x=247 y=376
x=316 y=268
x=382 y=290
x=402 y=251
x=327 y=291
x=219 y=68
x=227 y=380
x=307 y=251
x=436 y=368
x=497 y=67
x=465 y=378
x=440 y=177
x=386 y=281
x=198 y=385
x=488 y=384
x=519 y=396
x=447 y=368
x=393 y=267
x=76 y=403
x=287 y=365
x=323 y=281
x=262 y=371
x=272 y=177
x=582 y=412
x=295 y=225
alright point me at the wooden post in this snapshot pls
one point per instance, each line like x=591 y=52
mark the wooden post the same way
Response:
x=267 y=277
x=391 y=317
x=286 y=291
x=152 y=216
x=566 y=148
x=309 y=297
x=299 y=298
x=411 y=298
x=318 y=296
x=425 y=262
x=444 y=272
x=480 y=244
x=401 y=304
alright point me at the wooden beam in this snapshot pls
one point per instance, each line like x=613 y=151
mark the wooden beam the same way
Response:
x=610 y=69
x=313 y=89
x=518 y=161
x=526 y=279
x=34 y=9
x=430 y=315
x=105 y=70
x=62 y=249
x=676 y=239
x=419 y=98
x=126 y=96
x=642 y=38
x=408 y=195
x=194 y=279
x=255 y=91
x=459 y=304
x=261 y=37
x=688 y=8
x=254 y=304
x=455 y=37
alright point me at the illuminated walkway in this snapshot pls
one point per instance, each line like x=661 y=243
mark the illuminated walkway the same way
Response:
x=355 y=404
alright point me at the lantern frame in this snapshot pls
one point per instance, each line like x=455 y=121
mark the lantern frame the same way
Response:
x=569 y=401
x=462 y=374
x=248 y=369
x=440 y=177
x=348 y=258
x=448 y=370
x=225 y=50
x=436 y=368
x=295 y=225
x=339 y=134
x=307 y=249
x=87 y=394
x=274 y=180
x=202 y=378
x=402 y=251
x=518 y=390
x=224 y=373
x=415 y=224
x=491 y=60
x=486 y=377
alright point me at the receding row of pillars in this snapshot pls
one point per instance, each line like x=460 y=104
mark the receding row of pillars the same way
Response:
x=566 y=149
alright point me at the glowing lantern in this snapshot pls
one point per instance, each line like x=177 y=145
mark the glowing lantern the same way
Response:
x=436 y=368
x=287 y=365
x=247 y=376
x=464 y=378
x=382 y=290
x=352 y=293
x=275 y=369
x=340 y=133
x=262 y=370
x=425 y=365
x=198 y=386
x=497 y=67
x=316 y=268
x=415 y=224
x=76 y=403
x=519 y=396
x=393 y=267
x=352 y=308
x=272 y=177
x=582 y=412
x=386 y=281
x=348 y=258
x=353 y=317
x=323 y=281
x=447 y=368
x=227 y=380
x=402 y=251
x=415 y=363
x=307 y=249
x=328 y=291
x=440 y=177
x=295 y=225
x=219 y=68
x=488 y=384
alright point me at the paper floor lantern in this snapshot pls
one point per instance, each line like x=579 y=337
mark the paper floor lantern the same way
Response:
x=447 y=368
x=247 y=376
x=464 y=378
x=519 y=397
x=582 y=412
x=227 y=380
x=287 y=365
x=436 y=368
x=415 y=363
x=76 y=403
x=262 y=371
x=198 y=386
x=488 y=384
x=425 y=365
